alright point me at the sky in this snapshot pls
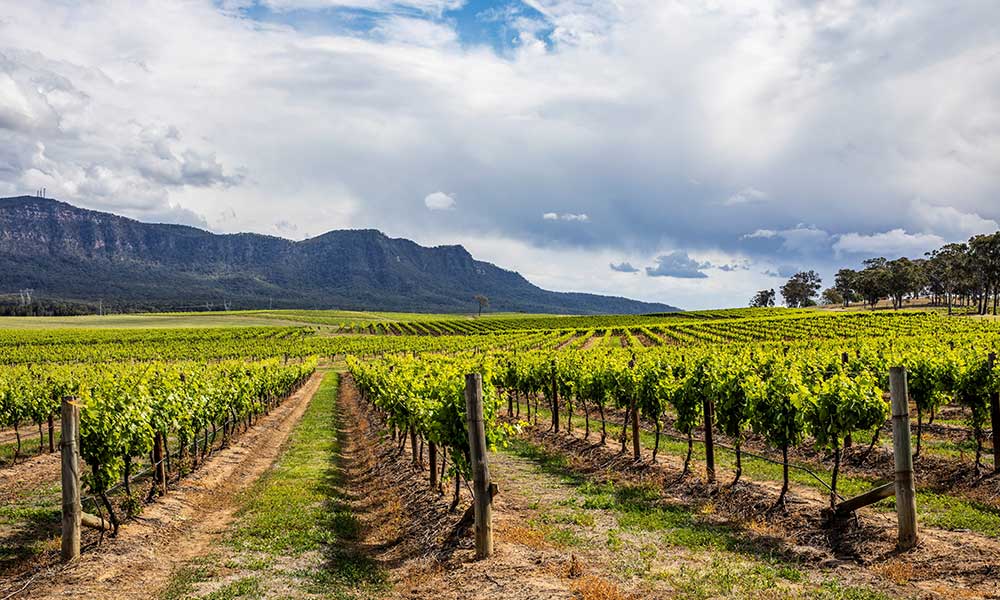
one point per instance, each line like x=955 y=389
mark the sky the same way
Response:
x=680 y=151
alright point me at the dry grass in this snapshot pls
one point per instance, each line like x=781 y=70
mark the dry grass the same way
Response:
x=524 y=536
x=896 y=571
x=596 y=588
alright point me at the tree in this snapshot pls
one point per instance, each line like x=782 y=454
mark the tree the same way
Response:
x=904 y=276
x=801 y=288
x=984 y=255
x=946 y=271
x=832 y=296
x=483 y=302
x=763 y=299
x=872 y=282
x=843 y=283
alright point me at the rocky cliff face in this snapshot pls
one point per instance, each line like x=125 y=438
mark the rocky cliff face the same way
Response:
x=71 y=253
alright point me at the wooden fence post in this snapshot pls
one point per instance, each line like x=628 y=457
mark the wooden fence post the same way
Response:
x=555 y=400
x=995 y=418
x=70 y=449
x=906 y=502
x=848 y=438
x=636 y=448
x=159 y=467
x=432 y=458
x=52 y=434
x=482 y=490
x=709 y=410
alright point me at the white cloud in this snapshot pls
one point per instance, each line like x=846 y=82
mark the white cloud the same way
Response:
x=439 y=201
x=416 y=32
x=890 y=244
x=631 y=113
x=801 y=239
x=950 y=222
x=435 y=7
x=747 y=195
x=551 y=216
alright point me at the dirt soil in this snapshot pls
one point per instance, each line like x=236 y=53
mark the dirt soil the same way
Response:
x=946 y=564
x=177 y=527
x=425 y=549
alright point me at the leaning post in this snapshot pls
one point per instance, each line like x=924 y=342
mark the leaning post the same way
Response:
x=482 y=490
x=70 y=450
x=906 y=503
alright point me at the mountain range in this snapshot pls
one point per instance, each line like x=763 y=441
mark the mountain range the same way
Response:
x=76 y=255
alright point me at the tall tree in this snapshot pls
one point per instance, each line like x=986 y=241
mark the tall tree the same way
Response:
x=984 y=254
x=872 y=282
x=831 y=296
x=844 y=284
x=904 y=277
x=762 y=299
x=801 y=288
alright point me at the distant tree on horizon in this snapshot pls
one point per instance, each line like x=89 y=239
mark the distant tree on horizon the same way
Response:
x=483 y=301
x=763 y=299
x=832 y=296
x=801 y=288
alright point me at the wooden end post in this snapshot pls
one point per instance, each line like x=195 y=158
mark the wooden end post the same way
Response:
x=995 y=418
x=636 y=448
x=70 y=449
x=555 y=400
x=906 y=503
x=432 y=459
x=709 y=410
x=160 y=466
x=482 y=502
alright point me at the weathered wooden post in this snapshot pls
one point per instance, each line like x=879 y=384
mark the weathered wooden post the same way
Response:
x=555 y=400
x=906 y=503
x=848 y=439
x=70 y=449
x=482 y=490
x=432 y=458
x=709 y=410
x=995 y=418
x=159 y=465
x=636 y=451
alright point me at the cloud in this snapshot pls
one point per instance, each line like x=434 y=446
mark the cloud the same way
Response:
x=678 y=264
x=747 y=195
x=890 y=244
x=782 y=271
x=551 y=216
x=729 y=268
x=329 y=113
x=439 y=201
x=805 y=240
x=951 y=222
x=624 y=267
x=436 y=7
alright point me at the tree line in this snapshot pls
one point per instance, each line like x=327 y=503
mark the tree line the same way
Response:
x=963 y=274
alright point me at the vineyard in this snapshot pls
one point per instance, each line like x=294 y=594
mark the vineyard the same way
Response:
x=773 y=418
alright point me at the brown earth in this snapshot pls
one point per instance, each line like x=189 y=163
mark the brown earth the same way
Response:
x=946 y=564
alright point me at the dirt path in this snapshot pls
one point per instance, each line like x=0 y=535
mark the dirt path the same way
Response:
x=945 y=564
x=178 y=526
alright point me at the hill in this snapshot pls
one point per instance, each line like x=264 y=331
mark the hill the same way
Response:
x=72 y=254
